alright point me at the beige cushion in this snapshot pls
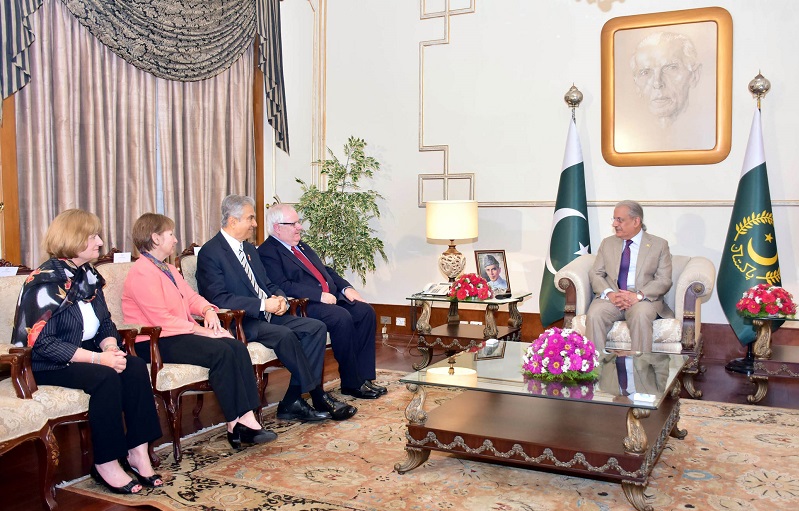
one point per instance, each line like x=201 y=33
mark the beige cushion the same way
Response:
x=174 y=376
x=114 y=274
x=188 y=267
x=260 y=354
x=9 y=295
x=57 y=401
x=666 y=334
x=20 y=417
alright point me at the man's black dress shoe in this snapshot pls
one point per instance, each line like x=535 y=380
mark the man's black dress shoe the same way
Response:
x=377 y=388
x=362 y=392
x=245 y=434
x=338 y=410
x=300 y=410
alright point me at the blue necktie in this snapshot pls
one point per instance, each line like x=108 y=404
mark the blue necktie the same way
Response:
x=624 y=268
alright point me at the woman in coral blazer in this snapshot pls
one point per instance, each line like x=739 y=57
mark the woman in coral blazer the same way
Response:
x=155 y=294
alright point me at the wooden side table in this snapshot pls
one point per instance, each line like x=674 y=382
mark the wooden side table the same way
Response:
x=453 y=336
x=766 y=360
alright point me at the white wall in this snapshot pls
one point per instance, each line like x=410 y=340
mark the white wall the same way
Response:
x=494 y=95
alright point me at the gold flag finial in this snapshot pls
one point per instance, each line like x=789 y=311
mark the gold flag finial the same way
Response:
x=573 y=98
x=759 y=87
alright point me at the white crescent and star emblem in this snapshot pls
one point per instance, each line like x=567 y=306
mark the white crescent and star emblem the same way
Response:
x=560 y=215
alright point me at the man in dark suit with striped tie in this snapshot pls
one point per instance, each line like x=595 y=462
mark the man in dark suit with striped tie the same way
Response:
x=230 y=275
x=296 y=268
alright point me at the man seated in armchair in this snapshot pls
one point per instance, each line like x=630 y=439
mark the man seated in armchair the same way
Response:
x=630 y=276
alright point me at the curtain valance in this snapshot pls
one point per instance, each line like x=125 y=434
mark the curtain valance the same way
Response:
x=181 y=40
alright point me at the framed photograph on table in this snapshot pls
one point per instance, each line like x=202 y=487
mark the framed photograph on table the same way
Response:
x=491 y=350
x=491 y=266
x=667 y=88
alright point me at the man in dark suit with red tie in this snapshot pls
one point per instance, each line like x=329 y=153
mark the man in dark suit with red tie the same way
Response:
x=630 y=277
x=294 y=267
x=230 y=275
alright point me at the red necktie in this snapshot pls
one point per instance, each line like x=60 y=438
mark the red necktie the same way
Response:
x=308 y=264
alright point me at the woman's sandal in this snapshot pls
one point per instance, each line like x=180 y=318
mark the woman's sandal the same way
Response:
x=122 y=490
x=146 y=481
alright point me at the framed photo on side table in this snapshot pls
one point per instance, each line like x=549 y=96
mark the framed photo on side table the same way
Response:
x=491 y=266
x=667 y=88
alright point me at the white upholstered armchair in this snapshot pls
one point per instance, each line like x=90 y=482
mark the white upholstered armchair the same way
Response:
x=693 y=280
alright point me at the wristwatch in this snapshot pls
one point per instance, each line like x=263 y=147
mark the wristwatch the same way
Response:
x=640 y=296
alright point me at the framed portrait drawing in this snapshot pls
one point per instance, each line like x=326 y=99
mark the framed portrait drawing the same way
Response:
x=489 y=351
x=667 y=88
x=491 y=266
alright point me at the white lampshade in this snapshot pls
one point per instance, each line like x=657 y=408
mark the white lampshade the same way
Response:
x=451 y=219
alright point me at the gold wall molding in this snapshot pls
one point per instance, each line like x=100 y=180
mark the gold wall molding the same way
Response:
x=445 y=176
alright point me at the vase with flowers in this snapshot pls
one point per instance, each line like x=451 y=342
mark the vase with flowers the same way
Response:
x=561 y=355
x=766 y=301
x=469 y=286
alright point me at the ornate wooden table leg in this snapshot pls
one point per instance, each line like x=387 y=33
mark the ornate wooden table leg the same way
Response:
x=426 y=352
x=414 y=412
x=515 y=319
x=453 y=317
x=635 y=495
x=635 y=442
x=423 y=323
x=761 y=388
x=763 y=342
x=490 y=331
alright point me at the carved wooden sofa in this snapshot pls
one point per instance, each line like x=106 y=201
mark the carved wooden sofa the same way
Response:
x=693 y=281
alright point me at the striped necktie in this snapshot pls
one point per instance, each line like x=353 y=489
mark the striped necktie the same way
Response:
x=258 y=291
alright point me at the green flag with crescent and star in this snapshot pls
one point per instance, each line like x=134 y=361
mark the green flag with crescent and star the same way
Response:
x=570 y=237
x=749 y=256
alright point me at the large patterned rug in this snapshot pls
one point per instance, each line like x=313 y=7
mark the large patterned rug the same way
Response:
x=735 y=457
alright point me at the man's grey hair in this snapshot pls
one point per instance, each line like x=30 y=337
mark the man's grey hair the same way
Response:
x=275 y=215
x=233 y=207
x=636 y=211
x=691 y=60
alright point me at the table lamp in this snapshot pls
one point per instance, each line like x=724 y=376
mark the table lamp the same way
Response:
x=451 y=220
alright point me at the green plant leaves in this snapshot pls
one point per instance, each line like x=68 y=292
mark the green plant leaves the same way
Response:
x=339 y=216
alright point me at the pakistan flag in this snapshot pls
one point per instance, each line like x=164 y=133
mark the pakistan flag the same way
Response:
x=749 y=256
x=570 y=237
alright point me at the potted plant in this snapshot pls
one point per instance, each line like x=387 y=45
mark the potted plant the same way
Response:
x=338 y=217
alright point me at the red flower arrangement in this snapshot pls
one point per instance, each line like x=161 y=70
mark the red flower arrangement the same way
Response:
x=764 y=300
x=470 y=286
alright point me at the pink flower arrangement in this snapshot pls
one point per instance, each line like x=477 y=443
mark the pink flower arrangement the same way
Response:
x=764 y=300
x=582 y=390
x=561 y=355
x=470 y=286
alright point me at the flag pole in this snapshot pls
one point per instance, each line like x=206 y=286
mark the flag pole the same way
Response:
x=759 y=87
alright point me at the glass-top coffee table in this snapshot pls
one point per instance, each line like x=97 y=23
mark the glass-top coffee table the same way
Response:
x=603 y=429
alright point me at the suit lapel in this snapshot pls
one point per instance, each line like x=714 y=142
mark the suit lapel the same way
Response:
x=643 y=255
x=233 y=260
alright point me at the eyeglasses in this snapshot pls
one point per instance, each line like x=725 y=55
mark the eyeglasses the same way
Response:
x=298 y=223
x=618 y=219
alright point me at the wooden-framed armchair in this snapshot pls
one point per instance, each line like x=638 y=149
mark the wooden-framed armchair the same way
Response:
x=170 y=382
x=58 y=405
x=693 y=280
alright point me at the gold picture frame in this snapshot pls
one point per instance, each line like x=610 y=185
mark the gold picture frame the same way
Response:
x=666 y=101
x=495 y=259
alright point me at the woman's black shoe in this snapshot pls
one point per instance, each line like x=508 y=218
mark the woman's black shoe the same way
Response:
x=145 y=481
x=122 y=490
x=247 y=435
x=234 y=439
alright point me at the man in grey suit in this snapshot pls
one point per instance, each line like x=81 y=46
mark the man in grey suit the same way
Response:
x=631 y=274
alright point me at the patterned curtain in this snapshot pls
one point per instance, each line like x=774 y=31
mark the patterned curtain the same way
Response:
x=181 y=40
